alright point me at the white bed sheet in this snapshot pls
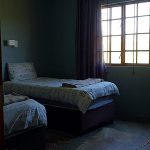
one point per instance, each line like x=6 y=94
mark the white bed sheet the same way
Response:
x=51 y=89
x=23 y=115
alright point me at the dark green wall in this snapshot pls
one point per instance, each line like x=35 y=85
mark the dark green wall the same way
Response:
x=134 y=86
x=18 y=22
x=57 y=47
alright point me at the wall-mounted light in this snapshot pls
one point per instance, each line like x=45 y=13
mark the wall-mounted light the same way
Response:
x=11 y=43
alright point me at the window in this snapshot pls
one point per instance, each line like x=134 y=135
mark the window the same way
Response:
x=126 y=33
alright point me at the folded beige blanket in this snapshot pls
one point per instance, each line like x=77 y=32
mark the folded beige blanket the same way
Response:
x=13 y=98
x=81 y=83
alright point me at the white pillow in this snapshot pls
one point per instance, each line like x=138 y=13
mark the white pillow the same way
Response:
x=21 y=71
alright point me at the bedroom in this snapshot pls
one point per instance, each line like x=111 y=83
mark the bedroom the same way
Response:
x=49 y=23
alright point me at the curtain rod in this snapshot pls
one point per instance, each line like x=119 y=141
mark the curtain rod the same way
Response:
x=106 y=3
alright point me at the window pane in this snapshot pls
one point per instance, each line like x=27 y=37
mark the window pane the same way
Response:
x=106 y=43
x=106 y=57
x=135 y=33
x=105 y=28
x=131 y=10
x=143 y=24
x=143 y=8
x=116 y=43
x=116 y=57
x=143 y=42
x=143 y=57
x=105 y=14
x=130 y=44
x=116 y=12
x=130 y=25
x=129 y=57
x=116 y=27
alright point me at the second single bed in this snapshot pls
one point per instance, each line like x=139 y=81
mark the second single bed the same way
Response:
x=25 y=122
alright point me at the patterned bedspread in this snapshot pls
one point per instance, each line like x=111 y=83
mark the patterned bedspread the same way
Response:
x=23 y=115
x=51 y=89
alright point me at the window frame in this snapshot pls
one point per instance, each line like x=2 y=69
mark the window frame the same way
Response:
x=123 y=34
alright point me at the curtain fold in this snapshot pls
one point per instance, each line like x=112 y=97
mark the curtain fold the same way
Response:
x=89 y=52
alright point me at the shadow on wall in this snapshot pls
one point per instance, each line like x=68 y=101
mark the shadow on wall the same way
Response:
x=5 y=73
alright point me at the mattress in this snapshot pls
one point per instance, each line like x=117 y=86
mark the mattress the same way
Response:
x=23 y=115
x=95 y=104
x=51 y=89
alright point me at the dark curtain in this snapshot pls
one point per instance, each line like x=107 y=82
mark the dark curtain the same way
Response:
x=89 y=55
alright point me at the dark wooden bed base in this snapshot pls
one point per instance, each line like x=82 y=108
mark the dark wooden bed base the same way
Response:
x=30 y=139
x=74 y=121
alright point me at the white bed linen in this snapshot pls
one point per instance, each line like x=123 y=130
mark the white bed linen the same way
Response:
x=51 y=89
x=22 y=115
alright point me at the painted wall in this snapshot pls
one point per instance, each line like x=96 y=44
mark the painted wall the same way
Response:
x=45 y=32
x=58 y=52
x=57 y=46
x=134 y=86
x=18 y=22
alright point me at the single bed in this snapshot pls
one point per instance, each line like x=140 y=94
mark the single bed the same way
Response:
x=25 y=121
x=71 y=103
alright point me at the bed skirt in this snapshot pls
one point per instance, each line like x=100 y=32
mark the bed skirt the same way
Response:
x=74 y=121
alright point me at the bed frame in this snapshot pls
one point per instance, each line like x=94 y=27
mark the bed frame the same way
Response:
x=74 y=121
x=28 y=139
